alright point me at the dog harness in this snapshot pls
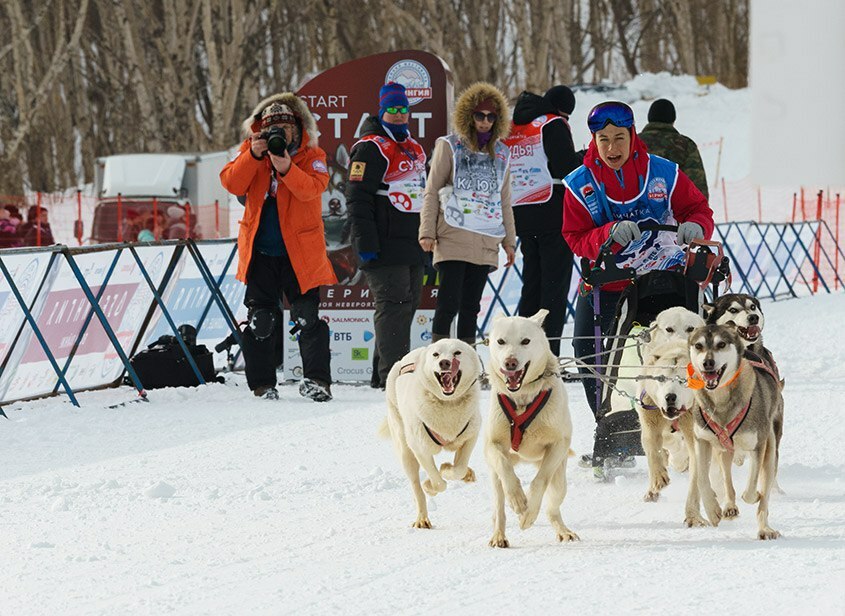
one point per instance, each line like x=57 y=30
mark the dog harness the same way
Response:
x=725 y=435
x=652 y=407
x=766 y=363
x=694 y=381
x=520 y=421
x=439 y=439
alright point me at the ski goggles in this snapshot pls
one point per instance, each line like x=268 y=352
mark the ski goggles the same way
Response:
x=612 y=112
x=395 y=110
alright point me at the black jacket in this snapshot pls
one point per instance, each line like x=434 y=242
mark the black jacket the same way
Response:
x=377 y=226
x=542 y=218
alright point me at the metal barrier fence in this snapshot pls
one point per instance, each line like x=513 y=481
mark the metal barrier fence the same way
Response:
x=70 y=317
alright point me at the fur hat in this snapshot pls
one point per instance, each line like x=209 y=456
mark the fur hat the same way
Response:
x=463 y=123
x=295 y=105
x=662 y=110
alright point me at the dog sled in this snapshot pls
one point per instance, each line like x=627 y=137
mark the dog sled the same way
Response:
x=618 y=354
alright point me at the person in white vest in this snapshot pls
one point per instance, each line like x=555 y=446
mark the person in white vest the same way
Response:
x=467 y=210
x=542 y=154
x=384 y=196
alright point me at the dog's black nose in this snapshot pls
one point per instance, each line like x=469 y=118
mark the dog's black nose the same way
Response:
x=445 y=364
x=753 y=319
x=671 y=400
x=511 y=364
x=708 y=364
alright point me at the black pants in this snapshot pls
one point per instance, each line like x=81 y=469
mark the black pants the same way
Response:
x=267 y=278
x=461 y=286
x=584 y=344
x=396 y=291
x=546 y=274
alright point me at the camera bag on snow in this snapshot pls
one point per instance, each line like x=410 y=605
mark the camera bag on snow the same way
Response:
x=163 y=363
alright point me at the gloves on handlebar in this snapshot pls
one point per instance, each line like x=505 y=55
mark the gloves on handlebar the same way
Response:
x=689 y=231
x=625 y=232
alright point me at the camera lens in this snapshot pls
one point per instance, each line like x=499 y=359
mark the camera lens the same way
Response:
x=276 y=142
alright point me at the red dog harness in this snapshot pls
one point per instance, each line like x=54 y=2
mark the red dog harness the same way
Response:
x=520 y=421
x=725 y=435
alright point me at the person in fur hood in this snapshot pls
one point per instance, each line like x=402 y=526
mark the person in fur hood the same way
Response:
x=281 y=244
x=467 y=211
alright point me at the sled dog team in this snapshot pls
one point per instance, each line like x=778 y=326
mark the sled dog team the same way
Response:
x=712 y=392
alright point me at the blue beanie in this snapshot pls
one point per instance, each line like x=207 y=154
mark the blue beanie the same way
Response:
x=391 y=94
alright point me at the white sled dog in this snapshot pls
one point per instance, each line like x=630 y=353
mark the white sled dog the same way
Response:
x=433 y=405
x=665 y=408
x=528 y=422
x=739 y=409
x=671 y=324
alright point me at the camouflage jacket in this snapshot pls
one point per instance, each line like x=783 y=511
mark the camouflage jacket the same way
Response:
x=664 y=140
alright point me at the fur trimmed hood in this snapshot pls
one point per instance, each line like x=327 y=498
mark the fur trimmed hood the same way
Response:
x=299 y=108
x=463 y=124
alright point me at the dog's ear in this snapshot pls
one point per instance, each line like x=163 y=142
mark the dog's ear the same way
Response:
x=707 y=310
x=540 y=316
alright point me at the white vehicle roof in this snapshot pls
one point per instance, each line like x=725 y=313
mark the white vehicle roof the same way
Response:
x=143 y=175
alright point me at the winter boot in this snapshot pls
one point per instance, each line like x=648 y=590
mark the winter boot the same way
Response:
x=317 y=391
x=266 y=393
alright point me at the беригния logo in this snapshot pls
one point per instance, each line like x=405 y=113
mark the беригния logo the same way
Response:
x=414 y=77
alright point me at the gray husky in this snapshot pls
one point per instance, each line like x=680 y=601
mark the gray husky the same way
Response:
x=740 y=409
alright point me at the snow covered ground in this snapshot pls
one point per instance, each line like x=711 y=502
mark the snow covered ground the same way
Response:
x=207 y=501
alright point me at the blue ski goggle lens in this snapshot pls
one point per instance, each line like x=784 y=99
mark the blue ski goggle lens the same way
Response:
x=614 y=112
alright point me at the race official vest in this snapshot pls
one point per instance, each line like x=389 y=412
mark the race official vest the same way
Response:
x=476 y=200
x=654 y=250
x=405 y=175
x=531 y=180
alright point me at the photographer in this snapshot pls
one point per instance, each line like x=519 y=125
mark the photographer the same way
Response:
x=281 y=246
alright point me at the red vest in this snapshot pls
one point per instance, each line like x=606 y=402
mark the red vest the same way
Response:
x=405 y=175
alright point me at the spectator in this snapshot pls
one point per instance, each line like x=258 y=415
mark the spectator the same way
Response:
x=605 y=199
x=281 y=246
x=8 y=230
x=467 y=211
x=662 y=138
x=384 y=195
x=36 y=230
x=542 y=154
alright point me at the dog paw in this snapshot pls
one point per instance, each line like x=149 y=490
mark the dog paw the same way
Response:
x=695 y=520
x=652 y=495
x=751 y=497
x=470 y=476
x=566 y=535
x=517 y=501
x=730 y=512
x=528 y=517
x=498 y=540
x=421 y=522
x=767 y=533
x=714 y=514
x=433 y=488
x=447 y=470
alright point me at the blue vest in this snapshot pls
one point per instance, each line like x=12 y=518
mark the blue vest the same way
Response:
x=654 y=250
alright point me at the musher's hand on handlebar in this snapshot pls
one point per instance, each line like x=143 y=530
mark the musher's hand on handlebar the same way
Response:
x=689 y=231
x=624 y=232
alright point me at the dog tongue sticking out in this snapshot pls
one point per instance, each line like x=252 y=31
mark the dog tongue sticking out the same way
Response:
x=513 y=378
x=449 y=378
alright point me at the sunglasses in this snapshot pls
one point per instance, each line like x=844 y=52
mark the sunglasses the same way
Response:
x=395 y=110
x=613 y=112
x=480 y=116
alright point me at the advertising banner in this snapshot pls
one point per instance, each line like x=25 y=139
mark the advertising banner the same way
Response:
x=63 y=314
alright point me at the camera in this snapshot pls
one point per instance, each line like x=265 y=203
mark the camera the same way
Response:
x=277 y=143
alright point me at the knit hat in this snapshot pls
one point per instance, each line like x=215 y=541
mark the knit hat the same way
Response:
x=391 y=94
x=488 y=105
x=277 y=113
x=561 y=98
x=662 y=110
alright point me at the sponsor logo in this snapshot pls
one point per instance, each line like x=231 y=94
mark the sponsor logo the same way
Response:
x=657 y=190
x=422 y=319
x=360 y=353
x=368 y=335
x=425 y=336
x=414 y=77
x=319 y=166
x=356 y=171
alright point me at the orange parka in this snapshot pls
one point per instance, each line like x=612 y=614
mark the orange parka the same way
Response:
x=298 y=198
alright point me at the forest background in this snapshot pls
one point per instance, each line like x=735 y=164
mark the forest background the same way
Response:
x=86 y=78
